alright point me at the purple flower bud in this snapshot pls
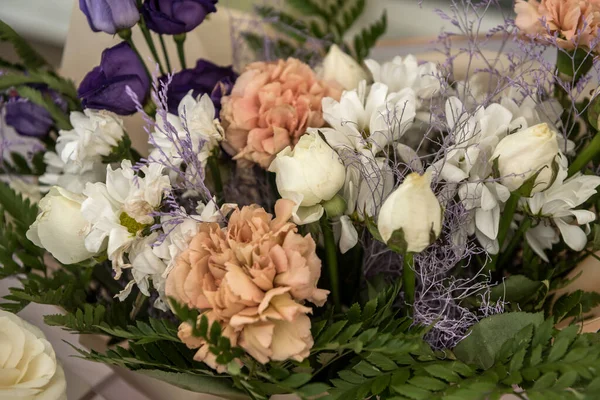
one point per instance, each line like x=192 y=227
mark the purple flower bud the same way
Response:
x=110 y=16
x=104 y=87
x=173 y=17
x=27 y=118
x=206 y=77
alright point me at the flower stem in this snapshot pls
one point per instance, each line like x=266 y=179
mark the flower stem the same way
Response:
x=524 y=227
x=150 y=42
x=179 y=41
x=507 y=216
x=215 y=172
x=140 y=300
x=409 y=280
x=165 y=53
x=586 y=155
x=331 y=259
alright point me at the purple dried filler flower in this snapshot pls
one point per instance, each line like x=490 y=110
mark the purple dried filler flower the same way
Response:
x=27 y=118
x=173 y=17
x=206 y=77
x=110 y=16
x=104 y=87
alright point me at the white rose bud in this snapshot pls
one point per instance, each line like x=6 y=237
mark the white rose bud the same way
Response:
x=312 y=170
x=28 y=366
x=59 y=227
x=342 y=68
x=414 y=209
x=525 y=153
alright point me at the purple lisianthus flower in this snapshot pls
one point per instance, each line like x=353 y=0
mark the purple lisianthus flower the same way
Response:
x=173 y=17
x=110 y=16
x=27 y=118
x=104 y=87
x=205 y=77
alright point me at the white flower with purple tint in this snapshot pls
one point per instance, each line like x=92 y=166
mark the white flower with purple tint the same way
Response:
x=195 y=126
x=556 y=206
x=402 y=73
x=122 y=209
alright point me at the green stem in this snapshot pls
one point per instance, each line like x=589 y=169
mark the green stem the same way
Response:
x=151 y=46
x=215 y=172
x=507 y=216
x=140 y=300
x=165 y=53
x=514 y=242
x=586 y=155
x=331 y=259
x=409 y=280
x=179 y=41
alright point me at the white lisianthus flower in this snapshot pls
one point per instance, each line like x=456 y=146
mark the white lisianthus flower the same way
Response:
x=526 y=153
x=342 y=68
x=120 y=210
x=308 y=175
x=413 y=209
x=28 y=366
x=195 y=123
x=402 y=73
x=70 y=176
x=94 y=134
x=557 y=204
x=60 y=227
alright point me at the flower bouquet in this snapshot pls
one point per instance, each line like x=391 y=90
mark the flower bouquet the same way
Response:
x=316 y=223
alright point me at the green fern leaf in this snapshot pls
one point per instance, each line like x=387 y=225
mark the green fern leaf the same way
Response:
x=30 y=58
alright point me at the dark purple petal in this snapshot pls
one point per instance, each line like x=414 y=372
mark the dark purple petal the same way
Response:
x=28 y=119
x=110 y=16
x=203 y=78
x=104 y=86
x=173 y=17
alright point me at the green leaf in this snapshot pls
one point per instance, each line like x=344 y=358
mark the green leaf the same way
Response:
x=30 y=58
x=442 y=372
x=296 y=380
x=216 y=385
x=313 y=389
x=516 y=289
x=487 y=337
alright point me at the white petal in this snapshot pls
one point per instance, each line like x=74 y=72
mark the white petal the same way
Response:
x=349 y=235
x=573 y=235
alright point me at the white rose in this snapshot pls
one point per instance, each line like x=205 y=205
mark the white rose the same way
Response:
x=525 y=153
x=413 y=208
x=309 y=174
x=28 y=366
x=340 y=67
x=60 y=228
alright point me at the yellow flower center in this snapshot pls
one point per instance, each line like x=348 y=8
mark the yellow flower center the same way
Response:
x=131 y=224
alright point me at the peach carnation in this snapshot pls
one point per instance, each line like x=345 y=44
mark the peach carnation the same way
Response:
x=575 y=21
x=253 y=277
x=270 y=107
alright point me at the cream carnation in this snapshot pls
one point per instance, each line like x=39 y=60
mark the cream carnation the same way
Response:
x=252 y=277
x=270 y=107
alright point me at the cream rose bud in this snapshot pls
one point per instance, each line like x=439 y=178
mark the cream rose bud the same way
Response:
x=312 y=170
x=525 y=153
x=413 y=208
x=28 y=366
x=339 y=66
x=59 y=227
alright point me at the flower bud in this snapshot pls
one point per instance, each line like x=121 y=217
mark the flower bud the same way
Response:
x=60 y=228
x=110 y=16
x=413 y=209
x=524 y=154
x=339 y=66
x=312 y=169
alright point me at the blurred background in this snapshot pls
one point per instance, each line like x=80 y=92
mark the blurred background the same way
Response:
x=46 y=22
